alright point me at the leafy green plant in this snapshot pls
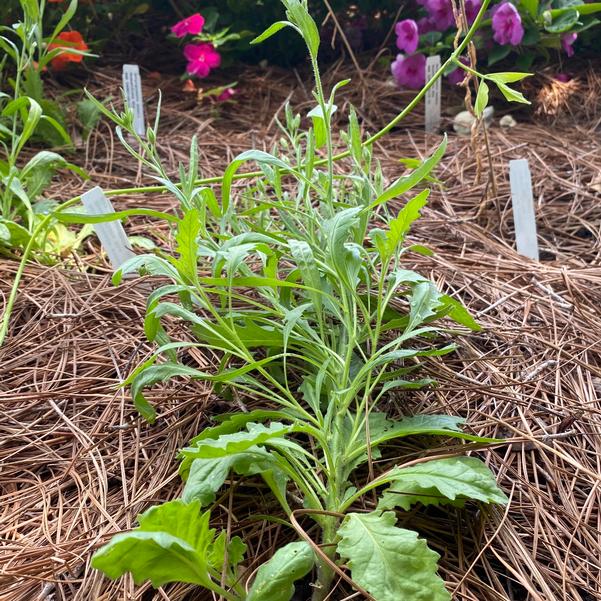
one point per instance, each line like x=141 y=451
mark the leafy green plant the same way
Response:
x=25 y=114
x=298 y=284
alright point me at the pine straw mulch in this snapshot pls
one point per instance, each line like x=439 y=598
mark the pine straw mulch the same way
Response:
x=77 y=463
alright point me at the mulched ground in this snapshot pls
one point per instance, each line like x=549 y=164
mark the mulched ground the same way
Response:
x=77 y=463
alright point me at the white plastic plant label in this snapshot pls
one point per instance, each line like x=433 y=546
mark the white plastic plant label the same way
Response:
x=522 y=201
x=132 y=86
x=433 y=95
x=111 y=234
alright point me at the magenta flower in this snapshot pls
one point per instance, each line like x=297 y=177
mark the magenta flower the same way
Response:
x=201 y=59
x=507 y=25
x=441 y=14
x=472 y=7
x=409 y=71
x=407 y=37
x=226 y=95
x=191 y=26
x=562 y=77
x=567 y=42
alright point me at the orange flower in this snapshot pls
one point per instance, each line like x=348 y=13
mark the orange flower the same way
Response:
x=68 y=39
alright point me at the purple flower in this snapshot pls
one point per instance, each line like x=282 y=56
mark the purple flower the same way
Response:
x=567 y=42
x=472 y=7
x=409 y=71
x=441 y=14
x=507 y=25
x=562 y=77
x=407 y=37
x=425 y=25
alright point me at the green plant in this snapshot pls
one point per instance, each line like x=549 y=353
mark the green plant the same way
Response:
x=299 y=287
x=25 y=114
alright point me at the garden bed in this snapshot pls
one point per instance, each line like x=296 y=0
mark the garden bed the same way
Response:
x=77 y=462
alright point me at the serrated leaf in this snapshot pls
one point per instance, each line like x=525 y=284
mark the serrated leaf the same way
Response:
x=452 y=480
x=390 y=563
x=275 y=578
x=204 y=477
x=401 y=224
x=424 y=300
x=171 y=544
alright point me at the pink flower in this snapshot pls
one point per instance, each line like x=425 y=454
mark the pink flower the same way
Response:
x=201 y=59
x=192 y=25
x=567 y=42
x=407 y=37
x=472 y=7
x=507 y=25
x=226 y=95
x=441 y=14
x=409 y=71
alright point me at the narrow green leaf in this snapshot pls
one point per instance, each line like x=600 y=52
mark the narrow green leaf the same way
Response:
x=390 y=563
x=405 y=183
x=271 y=30
x=511 y=94
x=481 y=98
x=401 y=224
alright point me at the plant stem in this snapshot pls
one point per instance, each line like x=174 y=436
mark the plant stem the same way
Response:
x=26 y=253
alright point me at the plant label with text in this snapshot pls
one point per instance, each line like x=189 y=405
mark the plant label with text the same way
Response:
x=433 y=95
x=132 y=86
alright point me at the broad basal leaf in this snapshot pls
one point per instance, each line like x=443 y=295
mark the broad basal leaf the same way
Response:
x=453 y=480
x=275 y=578
x=206 y=476
x=172 y=544
x=391 y=563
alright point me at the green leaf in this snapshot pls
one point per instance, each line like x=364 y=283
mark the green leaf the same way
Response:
x=275 y=578
x=390 y=563
x=424 y=300
x=563 y=22
x=297 y=12
x=206 y=476
x=319 y=123
x=187 y=244
x=271 y=30
x=531 y=6
x=453 y=480
x=457 y=312
x=481 y=98
x=401 y=224
x=507 y=76
x=511 y=94
x=171 y=544
x=407 y=182
x=236 y=442
x=583 y=9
